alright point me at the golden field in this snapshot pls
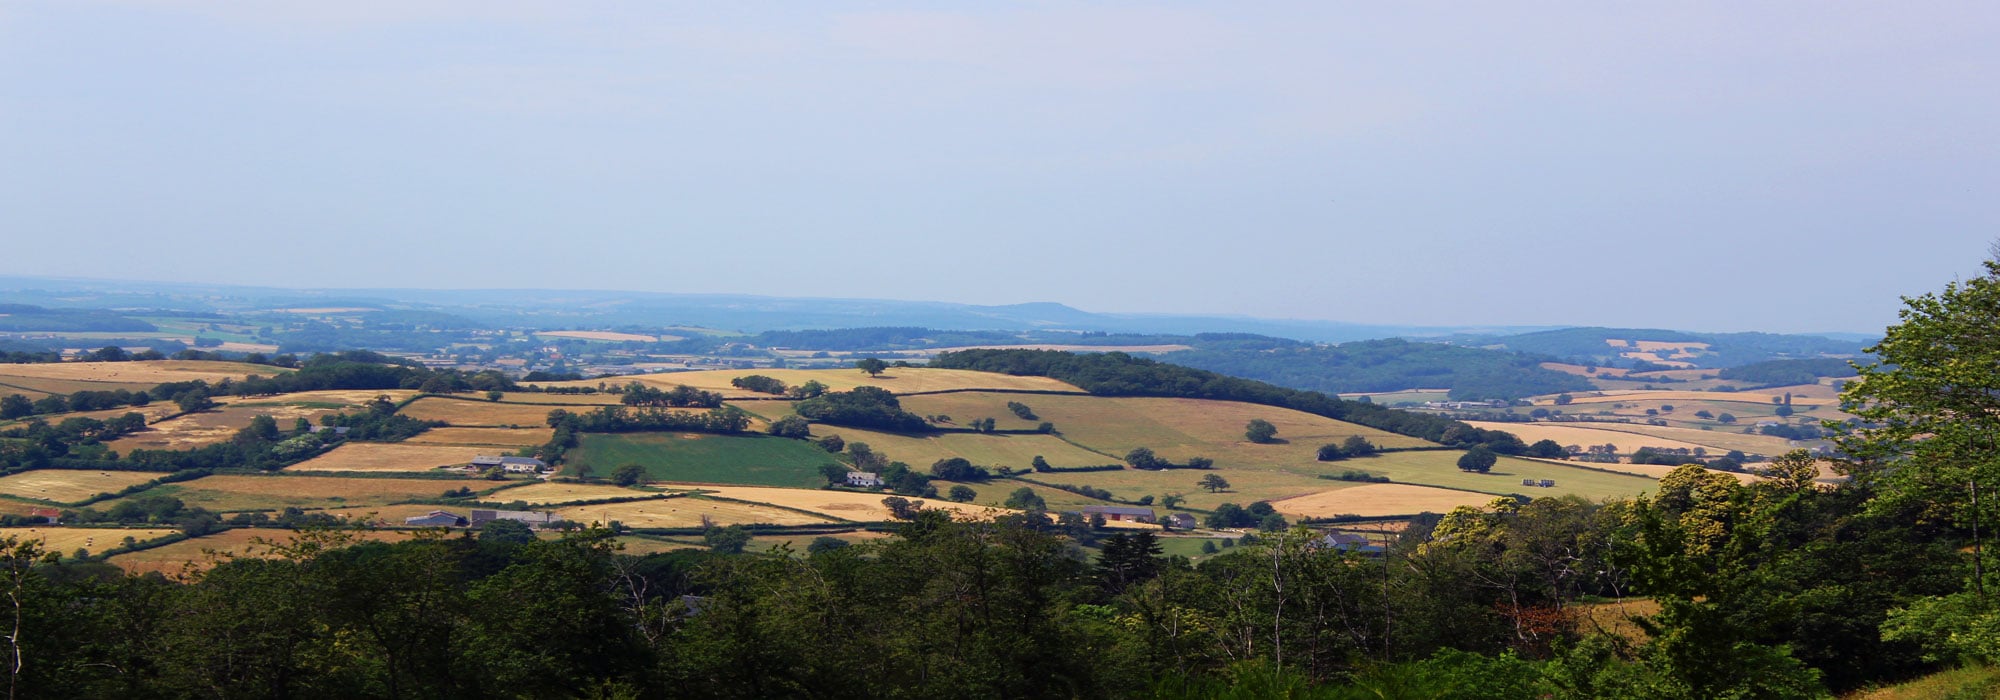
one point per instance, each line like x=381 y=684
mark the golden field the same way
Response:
x=66 y=540
x=484 y=437
x=232 y=492
x=686 y=512
x=1371 y=500
x=388 y=457
x=901 y=380
x=847 y=505
x=70 y=485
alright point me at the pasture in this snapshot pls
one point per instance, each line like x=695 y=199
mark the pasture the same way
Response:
x=1245 y=485
x=70 y=485
x=845 y=505
x=686 y=512
x=1762 y=397
x=231 y=492
x=901 y=380
x=66 y=540
x=479 y=413
x=1374 y=500
x=198 y=554
x=1177 y=429
x=66 y=377
x=1718 y=441
x=388 y=457
x=587 y=401
x=484 y=437
x=192 y=430
x=702 y=458
x=1578 y=434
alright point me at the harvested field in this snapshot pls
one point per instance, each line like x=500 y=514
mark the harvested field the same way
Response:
x=1584 y=371
x=70 y=485
x=502 y=437
x=241 y=492
x=687 y=512
x=640 y=545
x=1197 y=426
x=847 y=505
x=147 y=373
x=1245 y=485
x=1378 y=500
x=550 y=493
x=799 y=543
x=465 y=412
x=1655 y=471
x=328 y=398
x=901 y=380
x=588 y=401
x=66 y=540
x=1575 y=434
x=1718 y=441
x=388 y=457
x=1614 y=617
x=1143 y=349
x=606 y=336
x=193 y=555
x=1616 y=396
x=193 y=430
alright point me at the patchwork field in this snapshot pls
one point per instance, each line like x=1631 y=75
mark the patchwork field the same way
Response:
x=606 y=336
x=901 y=380
x=1379 y=500
x=235 y=493
x=194 y=430
x=468 y=412
x=1762 y=396
x=70 y=485
x=502 y=437
x=145 y=373
x=686 y=512
x=1718 y=441
x=66 y=540
x=847 y=505
x=388 y=457
x=700 y=458
x=559 y=400
x=1245 y=485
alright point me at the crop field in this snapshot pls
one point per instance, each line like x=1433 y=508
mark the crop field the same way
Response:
x=901 y=380
x=846 y=505
x=1719 y=440
x=37 y=387
x=767 y=411
x=392 y=516
x=70 y=485
x=712 y=459
x=1577 y=434
x=1614 y=617
x=237 y=492
x=1379 y=500
x=1396 y=398
x=1656 y=471
x=686 y=512
x=551 y=493
x=388 y=457
x=330 y=398
x=1440 y=469
x=1016 y=451
x=588 y=401
x=1245 y=485
x=1584 y=371
x=994 y=493
x=799 y=543
x=66 y=540
x=1762 y=396
x=143 y=374
x=1130 y=349
x=465 y=412
x=1177 y=429
x=483 y=437
x=194 y=554
x=193 y=430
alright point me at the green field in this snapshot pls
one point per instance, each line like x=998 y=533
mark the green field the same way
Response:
x=713 y=459
x=1018 y=451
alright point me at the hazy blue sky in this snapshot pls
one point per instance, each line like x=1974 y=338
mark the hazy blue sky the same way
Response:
x=1718 y=166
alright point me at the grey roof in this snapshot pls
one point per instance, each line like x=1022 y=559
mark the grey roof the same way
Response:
x=490 y=460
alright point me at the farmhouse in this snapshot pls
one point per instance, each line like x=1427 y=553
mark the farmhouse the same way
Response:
x=337 y=429
x=1347 y=542
x=864 y=480
x=513 y=465
x=531 y=518
x=1178 y=521
x=436 y=518
x=1121 y=513
x=53 y=516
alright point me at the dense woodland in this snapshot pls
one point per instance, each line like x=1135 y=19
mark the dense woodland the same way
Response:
x=1471 y=374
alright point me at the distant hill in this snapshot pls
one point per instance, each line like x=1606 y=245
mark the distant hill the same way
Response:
x=24 y=318
x=1653 y=348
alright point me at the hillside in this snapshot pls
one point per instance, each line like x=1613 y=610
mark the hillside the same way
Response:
x=1628 y=347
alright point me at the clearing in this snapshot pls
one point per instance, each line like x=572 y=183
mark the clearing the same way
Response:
x=703 y=458
x=70 y=485
x=1374 y=500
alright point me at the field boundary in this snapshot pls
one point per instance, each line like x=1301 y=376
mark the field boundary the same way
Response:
x=801 y=511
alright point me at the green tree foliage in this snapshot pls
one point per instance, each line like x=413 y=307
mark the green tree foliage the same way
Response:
x=962 y=494
x=1478 y=459
x=1260 y=431
x=628 y=475
x=1214 y=483
x=1021 y=410
x=958 y=469
x=874 y=367
x=792 y=427
x=864 y=407
x=726 y=540
x=1025 y=498
x=1143 y=458
x=759 y=383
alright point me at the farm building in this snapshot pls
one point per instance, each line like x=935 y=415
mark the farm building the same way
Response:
x=1347 y=542
x=530 y=518
x=1179 y=521
x=436 y=518
x=1128 y=514
x=337 y=429
x=515 y=465
x=864 y=480
x=53 y=516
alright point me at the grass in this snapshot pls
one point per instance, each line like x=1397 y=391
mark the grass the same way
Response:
x=901 y=380
x=1376 y=500
x=193 y=554
x=388 y=457
x=1245 y=485
x=1018 y=451
x=1189 y=547
x=146 y=373
x=194 y=430
x=752 y=460
x=1971 y=682
x=1614 y=617
x=845 y=505
x=1586 y=434
x=551 y=493
x=241 y=492
x=70 y=485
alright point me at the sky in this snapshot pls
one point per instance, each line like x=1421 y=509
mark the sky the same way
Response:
x=1788 y=167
